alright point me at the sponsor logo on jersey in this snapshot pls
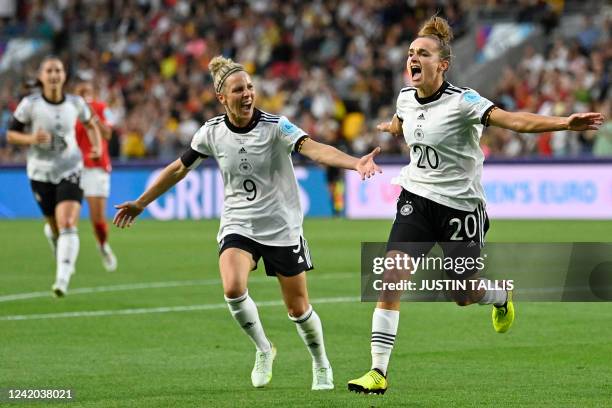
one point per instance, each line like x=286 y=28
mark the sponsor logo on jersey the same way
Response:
x=406 y=209
x=471 y=97
x=287 y=127
x=245 y=168
x=421 y=116
x=419 y=134
x=242 y=151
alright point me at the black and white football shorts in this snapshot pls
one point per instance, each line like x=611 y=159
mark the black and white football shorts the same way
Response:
x=48 y=195
x=420 y=223
x=285 y=261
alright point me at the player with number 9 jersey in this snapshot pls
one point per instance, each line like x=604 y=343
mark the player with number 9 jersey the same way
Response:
x=262 y=216
x=261 y=193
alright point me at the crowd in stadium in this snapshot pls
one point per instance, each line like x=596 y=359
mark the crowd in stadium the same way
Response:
x=333 y=67
x=571 y=76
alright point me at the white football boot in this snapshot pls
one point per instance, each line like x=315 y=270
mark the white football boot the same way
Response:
x=322 y=378
x=109 y=260
x=60 y=288
x=262 y=370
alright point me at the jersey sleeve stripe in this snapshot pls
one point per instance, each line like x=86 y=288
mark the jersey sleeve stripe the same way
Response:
x=265 y=116
x=218 y=122
x=407 y=89
x=214 y=120
x=269 y=114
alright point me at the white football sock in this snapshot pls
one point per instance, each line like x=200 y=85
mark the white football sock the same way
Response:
x=384 y=329
x=495 y=297
x=244 y=311
x=311 y=331
x=67 y=252
x=51 y=238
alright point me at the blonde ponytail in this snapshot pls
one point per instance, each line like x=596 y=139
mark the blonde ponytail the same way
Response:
x=220 y=68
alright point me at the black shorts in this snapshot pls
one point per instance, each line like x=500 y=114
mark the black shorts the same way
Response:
x=48 y=195
x=420 y=223
x=285 y=261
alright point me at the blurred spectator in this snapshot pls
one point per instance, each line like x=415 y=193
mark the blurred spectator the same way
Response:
x=318 y=59
x=318 y=62
x=573 y=75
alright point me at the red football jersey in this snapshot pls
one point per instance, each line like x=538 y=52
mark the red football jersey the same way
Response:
x=104 y=162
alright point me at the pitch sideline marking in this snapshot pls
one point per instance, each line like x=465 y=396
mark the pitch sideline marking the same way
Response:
x=146 y=285
x=169 y=309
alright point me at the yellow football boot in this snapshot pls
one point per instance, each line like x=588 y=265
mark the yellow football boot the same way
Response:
x=503 y=316
x=373 y=382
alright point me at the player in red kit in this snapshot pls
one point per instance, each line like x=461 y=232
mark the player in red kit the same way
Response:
x=95 y=180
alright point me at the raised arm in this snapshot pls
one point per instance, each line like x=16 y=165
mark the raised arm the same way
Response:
x=525 y=122
x=128 y=211
x=330 y=156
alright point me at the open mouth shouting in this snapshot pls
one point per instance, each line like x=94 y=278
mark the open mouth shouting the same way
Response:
x=415 y=72
x=246 y=106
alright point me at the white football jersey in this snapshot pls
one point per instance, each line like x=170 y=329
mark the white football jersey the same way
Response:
x=443 y=132
x=51 y=162
x=261 y=192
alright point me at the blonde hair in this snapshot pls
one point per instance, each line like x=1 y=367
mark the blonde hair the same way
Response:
x=220 y=68
x=438 y=29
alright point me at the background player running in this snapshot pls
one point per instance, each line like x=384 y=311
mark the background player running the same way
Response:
x=442 y=199
x=95 y=178
x=45 y=122
x=262 y=216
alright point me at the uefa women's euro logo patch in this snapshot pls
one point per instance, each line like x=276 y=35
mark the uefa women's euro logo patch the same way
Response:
x=471 y=97
x=286 y=127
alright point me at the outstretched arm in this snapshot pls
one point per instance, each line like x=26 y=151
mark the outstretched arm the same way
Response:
x=330 y=156
x=128 y=211
x=525 y=122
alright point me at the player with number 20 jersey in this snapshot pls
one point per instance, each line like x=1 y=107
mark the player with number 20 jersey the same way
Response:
x=442 y=199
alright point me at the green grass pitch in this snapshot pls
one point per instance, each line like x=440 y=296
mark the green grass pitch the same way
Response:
x=170 y=342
